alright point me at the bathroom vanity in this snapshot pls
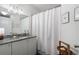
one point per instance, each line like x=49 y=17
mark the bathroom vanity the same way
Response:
x=18 y=46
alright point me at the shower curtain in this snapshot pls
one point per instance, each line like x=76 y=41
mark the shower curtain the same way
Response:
x=44 y=26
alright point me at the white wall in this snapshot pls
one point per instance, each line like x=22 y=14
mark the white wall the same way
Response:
x=70 y=31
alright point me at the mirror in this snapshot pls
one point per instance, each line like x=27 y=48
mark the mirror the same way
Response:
x=13 y=23
x=20 y=24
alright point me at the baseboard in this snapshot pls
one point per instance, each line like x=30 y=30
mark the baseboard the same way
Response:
x=42 y=53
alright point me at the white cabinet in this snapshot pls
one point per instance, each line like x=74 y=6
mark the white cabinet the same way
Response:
x=31 y=45
x=19 y=48
x=5 y=49
x=24 y=47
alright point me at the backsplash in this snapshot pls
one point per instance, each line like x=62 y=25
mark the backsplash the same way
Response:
x=22 y=34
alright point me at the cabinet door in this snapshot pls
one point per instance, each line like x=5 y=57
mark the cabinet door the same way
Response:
x=19 y=48
x=31 y=46
x=5 y=49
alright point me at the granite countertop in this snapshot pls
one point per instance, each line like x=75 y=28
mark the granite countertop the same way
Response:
x=9 y=40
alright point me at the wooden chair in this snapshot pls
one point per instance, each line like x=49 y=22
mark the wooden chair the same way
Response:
x=64 y=50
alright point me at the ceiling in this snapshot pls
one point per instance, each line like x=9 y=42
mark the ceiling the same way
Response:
x=36 y=8
x=43 y=7
x=30 y=9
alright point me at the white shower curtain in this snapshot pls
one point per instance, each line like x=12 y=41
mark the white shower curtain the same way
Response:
x=50 y=40
x=48 y=31
x=43 y=25
x=41 y=31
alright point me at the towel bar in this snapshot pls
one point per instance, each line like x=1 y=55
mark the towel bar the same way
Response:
x=76 y=46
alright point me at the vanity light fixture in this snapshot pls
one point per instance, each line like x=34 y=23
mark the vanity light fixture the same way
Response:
x=13 y=9
x=4 y=13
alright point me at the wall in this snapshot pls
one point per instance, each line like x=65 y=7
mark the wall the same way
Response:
x=70 y=31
